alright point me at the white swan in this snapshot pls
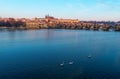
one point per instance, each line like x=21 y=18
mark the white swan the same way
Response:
x=89 y=56
x=70 y=63
x=62 y=64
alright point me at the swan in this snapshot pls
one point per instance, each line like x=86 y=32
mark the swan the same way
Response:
x=89 y=56
x=62 y=64
x=70 y=63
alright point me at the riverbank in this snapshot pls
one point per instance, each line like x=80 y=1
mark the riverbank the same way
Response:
x=65 y=27
x=50 y=22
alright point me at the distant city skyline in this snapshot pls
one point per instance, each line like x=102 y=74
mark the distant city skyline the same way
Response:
x=99 y=10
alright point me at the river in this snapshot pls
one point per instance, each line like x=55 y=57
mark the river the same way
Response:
x=59 y=54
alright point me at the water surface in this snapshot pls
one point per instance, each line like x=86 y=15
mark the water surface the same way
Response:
x=37 y=54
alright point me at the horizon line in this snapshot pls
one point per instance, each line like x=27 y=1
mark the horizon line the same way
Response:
x=59 y=18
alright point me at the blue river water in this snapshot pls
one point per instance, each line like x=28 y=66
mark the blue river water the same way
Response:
x=59 y=54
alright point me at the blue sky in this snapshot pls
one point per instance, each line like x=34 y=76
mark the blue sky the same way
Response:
x=81 y=9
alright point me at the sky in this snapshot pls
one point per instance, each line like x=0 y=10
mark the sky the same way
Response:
x=99 y=10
